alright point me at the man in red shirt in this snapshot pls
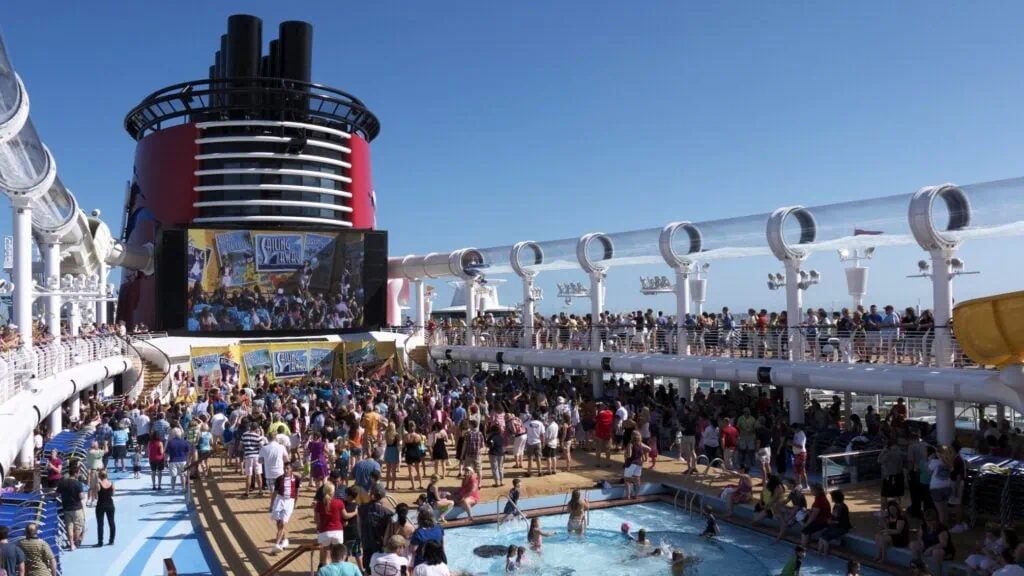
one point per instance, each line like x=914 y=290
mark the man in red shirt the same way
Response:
x=729 y=436
x=603 y=431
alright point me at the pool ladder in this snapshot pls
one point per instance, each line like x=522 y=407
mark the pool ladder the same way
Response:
x=497 y=511
x=696 y=496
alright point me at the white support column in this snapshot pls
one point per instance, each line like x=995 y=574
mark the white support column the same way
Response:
x=23 y=289
x=75 y=319
x=75 y=408
x=27 y=454
x=942 y=295
x=529 y=311
x=55 y=421
x=101 y=306
x=794 y=316
x=529 y=337
x=686 y=385
x=596 y=306
x=470 y=311
x=421 y=307
x=51 y=265
x=1000 y=413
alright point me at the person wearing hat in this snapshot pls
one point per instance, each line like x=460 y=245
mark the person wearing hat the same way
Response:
x=392 y=559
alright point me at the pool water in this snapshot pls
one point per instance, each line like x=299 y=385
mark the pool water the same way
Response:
x=603 y=550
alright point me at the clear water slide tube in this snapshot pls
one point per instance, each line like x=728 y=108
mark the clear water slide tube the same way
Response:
x=957 y=214
x=28 y=176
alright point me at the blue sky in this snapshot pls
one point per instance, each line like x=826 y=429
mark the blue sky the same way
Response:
x=542 y=120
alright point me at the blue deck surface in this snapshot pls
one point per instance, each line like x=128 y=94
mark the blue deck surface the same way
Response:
x=151 y=526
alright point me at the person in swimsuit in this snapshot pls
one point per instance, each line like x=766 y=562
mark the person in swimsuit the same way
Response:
x=577 y=513
x=741 y=493
x=413 y=454
x=896 y=532
x=935 y=541
x=535 y=536
x=391 y=456
x=437 y=500
x=772 y=497
x=439 y=449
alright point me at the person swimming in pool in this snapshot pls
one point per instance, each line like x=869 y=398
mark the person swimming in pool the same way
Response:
x=681 y=561
x=712 y=529
x=535 y=536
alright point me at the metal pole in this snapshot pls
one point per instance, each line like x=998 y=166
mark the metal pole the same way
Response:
x=942 y=296
x=596 y=305
x=529 y=309
x=470 y=311
x=51 y=264
x=23 y=289
x=794 y=302
x=686 y=385
x=421 y=308
x=101 y=306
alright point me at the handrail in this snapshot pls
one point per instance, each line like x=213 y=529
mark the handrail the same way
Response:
x=848 y=454
x=167 y=371
x=290 y=557
x=712 y=463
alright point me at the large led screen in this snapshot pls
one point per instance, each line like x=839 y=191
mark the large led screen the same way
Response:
x=284 y=280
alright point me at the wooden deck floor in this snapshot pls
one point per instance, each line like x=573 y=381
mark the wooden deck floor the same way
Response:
x=244 y=532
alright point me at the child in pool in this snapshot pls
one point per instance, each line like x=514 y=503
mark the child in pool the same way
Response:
x=678 y=563
x=510 y=559
x=520 y=557
x=711 y=530
x=512 y=506
x=535 y=536
x=641 y=538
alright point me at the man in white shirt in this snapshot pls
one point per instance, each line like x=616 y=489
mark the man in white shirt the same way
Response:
x=534 y=438
x=800 y=455
x=620 y=416
x=274 y=456
x=217 y=426
x=391 y=561
x=551 y=444
x=142 y=428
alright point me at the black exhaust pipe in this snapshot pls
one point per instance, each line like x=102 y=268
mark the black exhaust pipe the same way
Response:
x=245 y=43
x=296 y=50
x=275 y=59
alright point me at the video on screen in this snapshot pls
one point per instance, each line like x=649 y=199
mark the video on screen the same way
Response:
x=273 y=280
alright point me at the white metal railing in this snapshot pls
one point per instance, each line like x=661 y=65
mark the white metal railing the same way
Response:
x=822 y=344
x=19 y=366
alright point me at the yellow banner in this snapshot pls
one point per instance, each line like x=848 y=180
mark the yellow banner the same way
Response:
x=291 y=361
x=212 y=365
x=378 y=359
x=240 y=364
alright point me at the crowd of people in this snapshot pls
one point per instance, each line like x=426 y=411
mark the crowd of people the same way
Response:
x=352 y=442
x=865 y=334
x=298 y=306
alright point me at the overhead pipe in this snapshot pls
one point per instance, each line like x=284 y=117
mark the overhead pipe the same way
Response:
x=974 y=386
x=987 y=209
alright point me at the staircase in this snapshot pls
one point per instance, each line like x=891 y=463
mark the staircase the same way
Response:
x=152 y=376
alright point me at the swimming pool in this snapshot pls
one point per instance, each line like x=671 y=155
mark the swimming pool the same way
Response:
x=604 y=551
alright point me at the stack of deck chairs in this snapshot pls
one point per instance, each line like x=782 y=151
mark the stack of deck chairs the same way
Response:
x=833 y=441
x=994 y=488
x=17 y=510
